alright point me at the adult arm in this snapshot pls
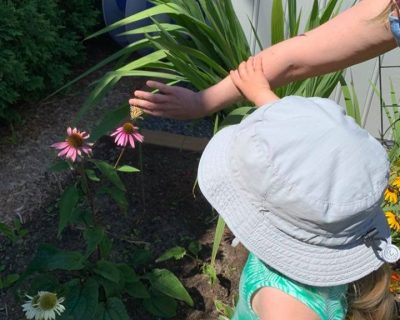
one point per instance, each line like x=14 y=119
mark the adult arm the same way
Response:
x=350 y=38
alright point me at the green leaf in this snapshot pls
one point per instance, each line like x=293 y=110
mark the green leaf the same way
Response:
x=194 y=247
x=113 y=309
x=118 y=196
x=219 y=232
x=107 y=270
x=50 y=258
x=236 y=116
x=105 y=247
x=210 y=272
x=116 y=309
x=141 y=257
x=127 y=273
x=160 y=305
x=93 y=236
x=277 y=22
x=127 y=169
x=224 y=309
x=111 y=288
x=351 y=101
x=60 y=166
x=7 y=231
x=160 y=9
x=153 y=28
x=82 y=216
x=67 y=204
x=167 y=283
x=176 y=252
x=43 y=282
x=109 y=172
x=101 y=312
x=71 y=291
x=328 y=11
x=80 y=302
x=88 y=300
x=10 y=279
x=91 y=174
x=137 y=290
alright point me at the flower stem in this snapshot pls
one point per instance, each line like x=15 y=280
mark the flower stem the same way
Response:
x=119 y=158
x=87 y=191
x=141 y=177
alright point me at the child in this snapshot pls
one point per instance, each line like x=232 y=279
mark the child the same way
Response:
x=300 y=184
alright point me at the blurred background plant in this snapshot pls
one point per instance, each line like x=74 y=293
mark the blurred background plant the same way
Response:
x=40 y=41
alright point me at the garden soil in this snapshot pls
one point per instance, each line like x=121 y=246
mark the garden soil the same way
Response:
x=163 y=212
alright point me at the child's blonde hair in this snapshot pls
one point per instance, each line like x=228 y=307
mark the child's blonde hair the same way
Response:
x=370 y=298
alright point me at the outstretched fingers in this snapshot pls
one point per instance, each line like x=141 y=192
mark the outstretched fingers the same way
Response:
x=162 y=87
x=153 y=97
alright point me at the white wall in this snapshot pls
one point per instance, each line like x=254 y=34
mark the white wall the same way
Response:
x=259 y=12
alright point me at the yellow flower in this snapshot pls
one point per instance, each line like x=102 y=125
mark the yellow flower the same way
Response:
x=391 y=195
x=396 y=183
x=393 y=220
x=395 y=282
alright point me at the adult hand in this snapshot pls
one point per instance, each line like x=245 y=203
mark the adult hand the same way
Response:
x=169 y=102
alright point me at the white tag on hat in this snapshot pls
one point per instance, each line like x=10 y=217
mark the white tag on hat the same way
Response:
x=390 y=253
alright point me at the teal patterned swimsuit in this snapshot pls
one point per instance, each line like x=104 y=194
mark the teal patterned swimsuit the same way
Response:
x=328 y=303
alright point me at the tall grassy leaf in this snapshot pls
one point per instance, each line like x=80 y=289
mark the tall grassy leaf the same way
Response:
x=277 y=22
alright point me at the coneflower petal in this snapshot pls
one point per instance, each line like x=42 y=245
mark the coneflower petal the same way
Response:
x=132 y=141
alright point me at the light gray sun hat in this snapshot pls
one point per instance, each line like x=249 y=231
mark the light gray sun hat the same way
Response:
x=300 y=185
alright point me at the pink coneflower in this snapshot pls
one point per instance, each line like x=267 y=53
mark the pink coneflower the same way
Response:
x=74 y=145
x=128 y=133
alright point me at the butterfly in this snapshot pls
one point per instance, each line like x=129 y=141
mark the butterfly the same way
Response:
x=136 y=112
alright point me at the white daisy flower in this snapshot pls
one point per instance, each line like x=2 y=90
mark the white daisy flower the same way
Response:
x=43 y=306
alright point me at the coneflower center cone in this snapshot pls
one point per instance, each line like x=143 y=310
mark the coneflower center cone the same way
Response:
x=48 y=301
x=128 y=128
x=75 y=140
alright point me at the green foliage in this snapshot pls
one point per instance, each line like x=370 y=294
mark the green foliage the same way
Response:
x=13 y=232
x=194 y=248
x=81 y=301
x=226 y=311
x=94 y=285
x=112 y=309
x=167 y=283
x=49 y=258
x=209 y=269
x=392 y=111
x=321 y=86
x=176 y=253
x=68 y=202
x=39 y=42
x=7 y=280
x=351 y=101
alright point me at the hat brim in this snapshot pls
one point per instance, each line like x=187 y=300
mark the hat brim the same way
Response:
x=309 y=264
